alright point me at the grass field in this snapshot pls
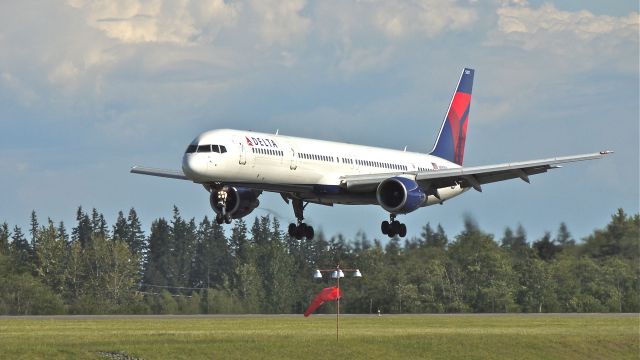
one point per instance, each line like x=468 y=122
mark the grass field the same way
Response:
x=295 y=337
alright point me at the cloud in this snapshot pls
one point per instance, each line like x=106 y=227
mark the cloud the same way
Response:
x=574 y=35
x=427 y=18
x=180 y=22
x=280 y=21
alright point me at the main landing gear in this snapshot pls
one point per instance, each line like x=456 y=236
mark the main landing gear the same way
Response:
x=393 y=227
x=300 y=230
x=221 y=205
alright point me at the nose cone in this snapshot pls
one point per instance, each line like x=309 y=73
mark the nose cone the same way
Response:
x=193 y=166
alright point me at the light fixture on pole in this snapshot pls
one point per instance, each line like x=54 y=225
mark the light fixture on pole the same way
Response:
x=337 y=273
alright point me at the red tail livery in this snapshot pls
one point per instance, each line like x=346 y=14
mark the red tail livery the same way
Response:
x=453 y=133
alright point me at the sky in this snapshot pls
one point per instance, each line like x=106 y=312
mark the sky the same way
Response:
x=90 y=88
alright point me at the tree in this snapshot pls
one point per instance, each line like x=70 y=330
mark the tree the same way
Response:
x=621 y=237
x=546 y=249
x=51 y=254
x=20 y=251
x=213 y=264
x=22 y=294
x=81 y=233
x=160 y=267
x=62 y=232
x=121 y=228
x=485 y=271
x=183 y=235
x=34 y=231
x=135 y=236
x=4 y=239
x=563 y=238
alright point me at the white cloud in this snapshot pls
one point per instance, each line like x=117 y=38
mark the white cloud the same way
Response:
x=572 y=34
x=280 y=20
x=182 y=21
x=64 y=73
x=426 y=17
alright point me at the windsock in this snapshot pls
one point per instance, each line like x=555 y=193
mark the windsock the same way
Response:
x=327 y=294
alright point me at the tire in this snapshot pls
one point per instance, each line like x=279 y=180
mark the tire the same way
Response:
x=228 y=219
x=292 y=230
x=309 y=233
x=403 y=230
x=300 y=232
x=384 y=227
x=395 y=225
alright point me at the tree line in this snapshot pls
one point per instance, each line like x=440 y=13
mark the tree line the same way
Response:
x=185 y=267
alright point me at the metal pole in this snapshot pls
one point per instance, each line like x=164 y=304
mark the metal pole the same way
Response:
x=338 y=307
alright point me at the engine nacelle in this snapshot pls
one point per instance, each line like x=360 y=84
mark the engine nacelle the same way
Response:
x=399 y=195
x=240 y=201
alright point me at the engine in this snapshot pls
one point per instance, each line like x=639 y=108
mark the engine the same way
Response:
x=240 y=202
x=399 y=195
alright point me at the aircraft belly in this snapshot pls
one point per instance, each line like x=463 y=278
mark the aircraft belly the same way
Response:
x=445 y=193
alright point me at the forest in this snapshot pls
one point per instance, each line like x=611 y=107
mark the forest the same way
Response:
x=181 y=266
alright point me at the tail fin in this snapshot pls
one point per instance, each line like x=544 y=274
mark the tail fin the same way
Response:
x=450 y=142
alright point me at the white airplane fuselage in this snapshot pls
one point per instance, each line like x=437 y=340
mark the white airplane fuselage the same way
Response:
x=261 y=158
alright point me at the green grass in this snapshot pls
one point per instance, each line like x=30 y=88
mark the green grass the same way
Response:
x=296 y=337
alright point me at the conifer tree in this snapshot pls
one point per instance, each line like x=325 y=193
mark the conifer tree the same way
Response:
x=62 y=232
x=20 y=250
x=81 y=233
x=4 y=239
x=34 y=230
x=120 y=231
x=135 y=236
x=160 y=267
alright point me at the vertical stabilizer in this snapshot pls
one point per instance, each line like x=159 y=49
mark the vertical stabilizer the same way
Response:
x=453 y=133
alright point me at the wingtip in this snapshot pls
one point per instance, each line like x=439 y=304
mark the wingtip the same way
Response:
x=606 y=152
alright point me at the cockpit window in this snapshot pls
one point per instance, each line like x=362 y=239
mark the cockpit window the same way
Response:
x=204 y=148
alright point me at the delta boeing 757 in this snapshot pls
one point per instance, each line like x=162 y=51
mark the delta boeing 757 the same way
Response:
x=236 y=166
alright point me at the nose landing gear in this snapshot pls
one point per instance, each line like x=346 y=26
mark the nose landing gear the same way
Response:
x=221 y=205
x=393 y=227
x=300 y=230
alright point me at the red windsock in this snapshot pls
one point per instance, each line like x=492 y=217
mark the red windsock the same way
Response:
x=327 y=294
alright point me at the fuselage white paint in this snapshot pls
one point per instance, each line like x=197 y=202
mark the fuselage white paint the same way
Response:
x=283 y=160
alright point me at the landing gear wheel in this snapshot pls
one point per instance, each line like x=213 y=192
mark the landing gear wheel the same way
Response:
x=219 y=219
x=385 y=227
x=300 y=230
x=402 y=231
x=309 y=233
x=393 y=227
x=227 y=219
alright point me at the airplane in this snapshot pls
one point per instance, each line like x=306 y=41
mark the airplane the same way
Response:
x=236 y=166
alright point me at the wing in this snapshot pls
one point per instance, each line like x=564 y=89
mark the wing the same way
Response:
x=166 y=173
x=177 y=174
x=473 y=177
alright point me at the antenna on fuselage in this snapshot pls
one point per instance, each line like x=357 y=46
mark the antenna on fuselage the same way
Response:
x=277 y=131
x=405 y=148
